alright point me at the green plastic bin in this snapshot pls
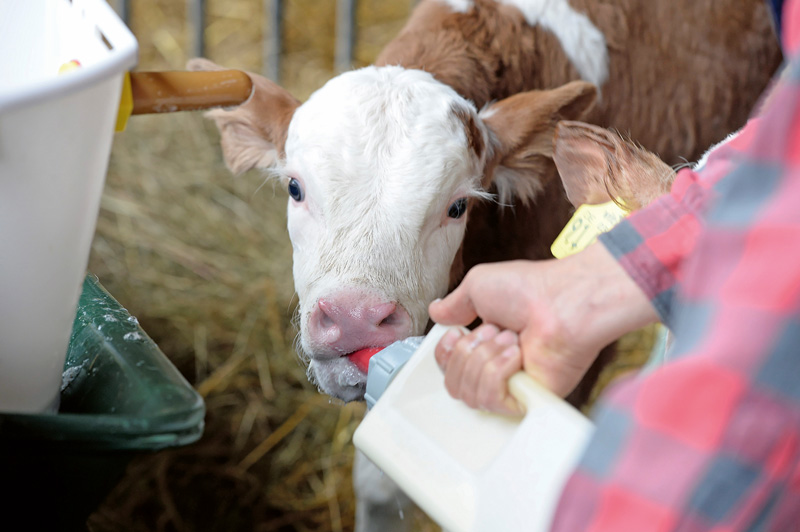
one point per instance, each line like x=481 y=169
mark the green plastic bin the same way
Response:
x=120 y=397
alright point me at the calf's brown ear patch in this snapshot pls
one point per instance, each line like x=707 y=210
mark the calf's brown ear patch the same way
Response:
x=522 y=129
x=253 y=134
x=583 y=157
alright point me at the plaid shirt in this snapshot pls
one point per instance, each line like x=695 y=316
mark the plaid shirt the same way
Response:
x=711 y=440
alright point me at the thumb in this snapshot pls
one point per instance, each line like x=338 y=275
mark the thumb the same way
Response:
x=456 y=308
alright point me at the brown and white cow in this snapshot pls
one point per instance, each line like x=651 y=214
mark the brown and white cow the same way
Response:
x=404 y=174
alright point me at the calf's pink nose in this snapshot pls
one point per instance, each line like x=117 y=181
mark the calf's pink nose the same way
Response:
x=347 y=324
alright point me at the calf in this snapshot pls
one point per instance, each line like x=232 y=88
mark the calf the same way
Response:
x=388 y=165
x=402 y=175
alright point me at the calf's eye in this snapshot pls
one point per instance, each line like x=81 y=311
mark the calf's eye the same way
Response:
x=458 y=208
x=295 y=190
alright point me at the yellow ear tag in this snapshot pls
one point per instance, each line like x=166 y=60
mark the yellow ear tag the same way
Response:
x=125 y=103
x=588 y=222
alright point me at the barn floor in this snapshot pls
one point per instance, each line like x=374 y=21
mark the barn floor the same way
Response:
x=204 y=261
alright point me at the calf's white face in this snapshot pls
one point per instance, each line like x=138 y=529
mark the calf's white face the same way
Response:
x=380 y=170
x=380 y=165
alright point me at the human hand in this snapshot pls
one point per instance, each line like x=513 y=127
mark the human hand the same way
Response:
x=478 y=365
x=563 y=312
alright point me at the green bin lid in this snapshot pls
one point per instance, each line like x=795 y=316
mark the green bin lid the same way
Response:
x=119 y=391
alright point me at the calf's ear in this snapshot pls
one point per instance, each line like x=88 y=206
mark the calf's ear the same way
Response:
x=253 y=134
x=521 y=132
x=583 y=154
x=597 y=165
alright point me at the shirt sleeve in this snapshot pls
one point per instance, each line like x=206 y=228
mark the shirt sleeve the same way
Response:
x=710 y=441
x=651 y=243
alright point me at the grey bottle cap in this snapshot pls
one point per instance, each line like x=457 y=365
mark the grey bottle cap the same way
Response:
x=385 y=364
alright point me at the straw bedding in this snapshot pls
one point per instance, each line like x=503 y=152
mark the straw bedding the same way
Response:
x=203 y=260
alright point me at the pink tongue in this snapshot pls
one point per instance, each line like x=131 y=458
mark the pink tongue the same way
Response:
x=361 y=357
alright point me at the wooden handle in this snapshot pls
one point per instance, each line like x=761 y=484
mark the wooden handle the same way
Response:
x=168 y=92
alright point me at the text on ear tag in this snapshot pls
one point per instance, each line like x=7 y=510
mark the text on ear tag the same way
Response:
x=588 y=222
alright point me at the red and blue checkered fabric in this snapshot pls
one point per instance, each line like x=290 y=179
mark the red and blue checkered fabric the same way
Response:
x=710 y=441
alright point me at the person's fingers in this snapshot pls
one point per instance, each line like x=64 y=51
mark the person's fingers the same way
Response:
x=445 y=346
x=457 y=308
x=474 y=364
x=460 y=353
x=492 y=389
x=507 y=338
x=478 y=360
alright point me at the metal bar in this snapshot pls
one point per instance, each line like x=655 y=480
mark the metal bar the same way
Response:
x=273 y=41
x=197 y=26
x=124 y=11
x=345 y=34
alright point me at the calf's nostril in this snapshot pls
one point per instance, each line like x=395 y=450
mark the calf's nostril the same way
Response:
x=392 y=319
x=383 y=314
x=327 y=314
x=398 y=319
x=325 y=321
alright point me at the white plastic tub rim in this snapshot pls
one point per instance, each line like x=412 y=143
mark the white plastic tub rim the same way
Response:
x=87 y=30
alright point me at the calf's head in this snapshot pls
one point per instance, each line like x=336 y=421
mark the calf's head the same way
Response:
x=381 y=166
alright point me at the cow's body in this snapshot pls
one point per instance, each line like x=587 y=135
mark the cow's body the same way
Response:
x=674 y=75
x=678 y=76
x=379 y=158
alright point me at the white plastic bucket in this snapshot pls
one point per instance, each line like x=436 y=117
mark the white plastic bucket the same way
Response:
x=55 y=140
x=473 y=471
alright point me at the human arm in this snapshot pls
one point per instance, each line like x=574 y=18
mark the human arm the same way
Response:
x=652 y=244
x=708 y=441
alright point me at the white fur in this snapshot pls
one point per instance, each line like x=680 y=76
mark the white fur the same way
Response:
x=515 y=185
x=459 y=6
x=584 y=44
x=381 y=157
x=702 y=162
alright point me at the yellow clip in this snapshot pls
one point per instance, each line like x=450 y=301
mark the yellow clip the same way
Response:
x=69 y=66
x=125 y=103
x=588 y=222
